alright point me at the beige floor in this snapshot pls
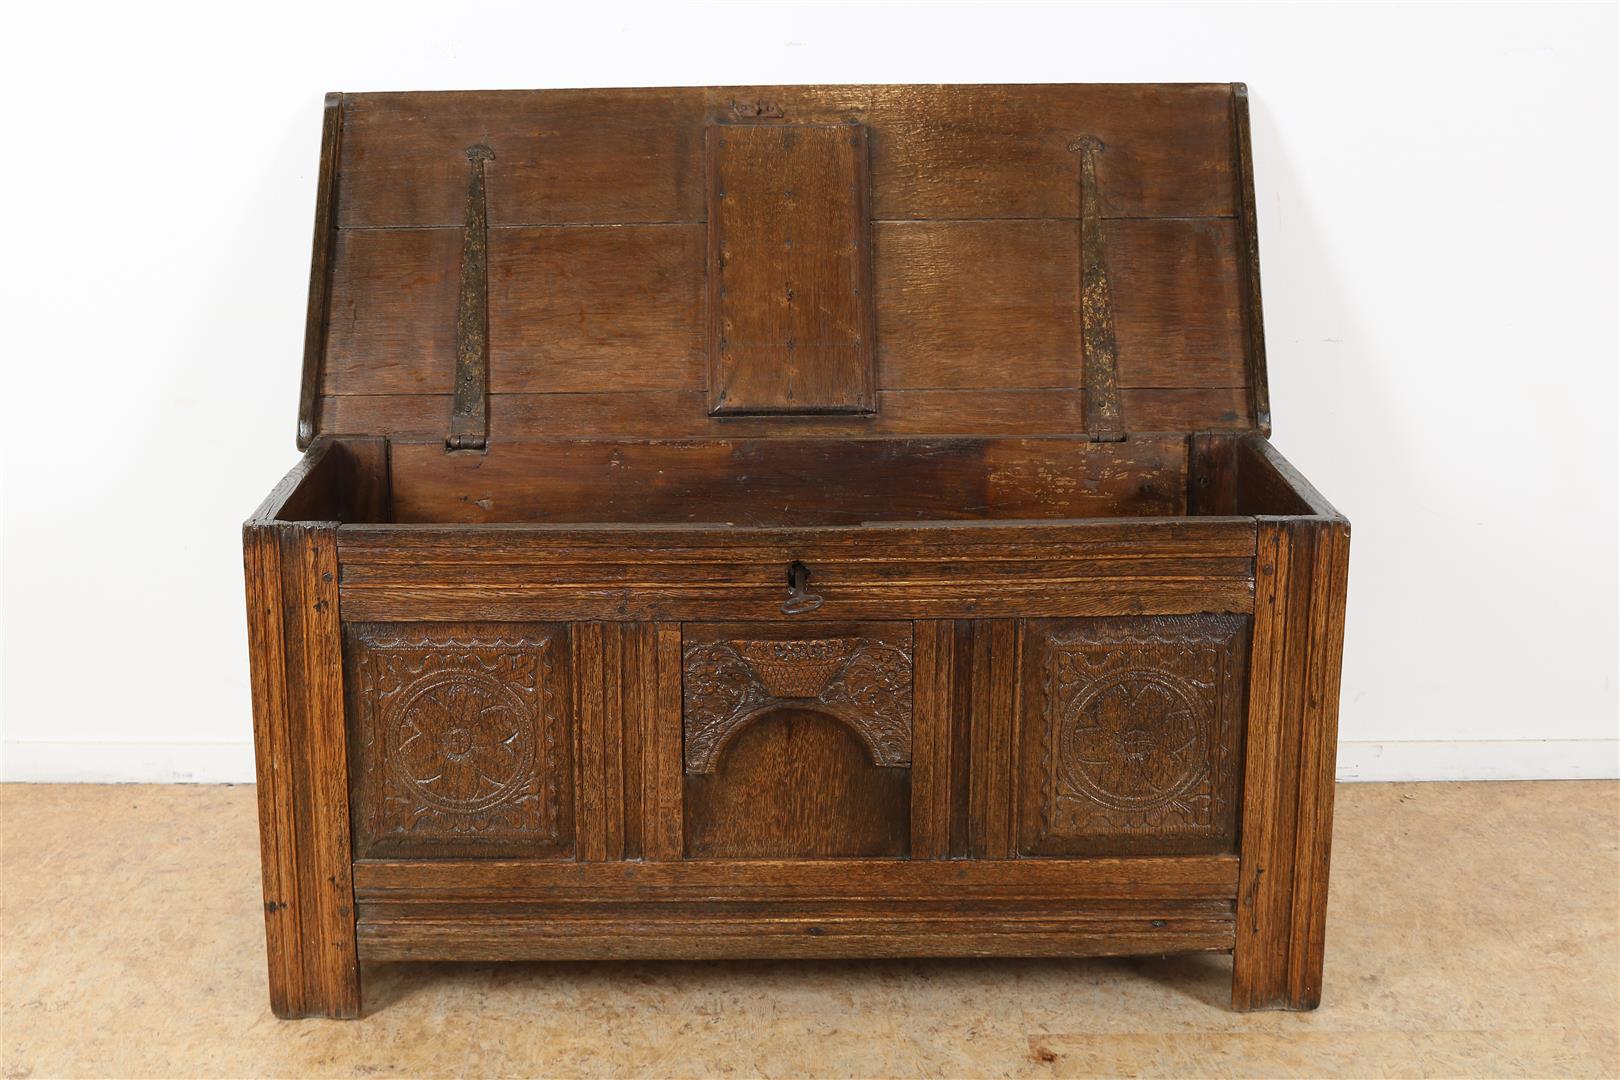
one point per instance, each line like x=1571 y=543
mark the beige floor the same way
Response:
x=1473 y=930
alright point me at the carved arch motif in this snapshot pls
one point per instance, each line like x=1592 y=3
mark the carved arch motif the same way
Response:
x=865 y=684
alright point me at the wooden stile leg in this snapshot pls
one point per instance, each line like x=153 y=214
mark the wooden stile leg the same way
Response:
x=661 y=748
x=994 y=690
x=1287 y=821
x=628 y=701
x=931 y=776
x=296 y=648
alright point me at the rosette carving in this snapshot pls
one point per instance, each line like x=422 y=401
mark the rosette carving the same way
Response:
x=458 y=737
x=1138 y=722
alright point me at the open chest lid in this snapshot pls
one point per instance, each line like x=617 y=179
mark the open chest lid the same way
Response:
x=807 y=261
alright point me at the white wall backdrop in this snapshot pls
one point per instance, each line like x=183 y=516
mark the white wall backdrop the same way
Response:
x=1437 y=197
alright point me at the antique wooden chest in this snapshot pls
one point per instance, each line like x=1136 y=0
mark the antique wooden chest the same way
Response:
x=791 y=522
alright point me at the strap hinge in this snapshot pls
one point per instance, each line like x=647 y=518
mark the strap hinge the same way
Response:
x=469 y=413
x=1099 y=355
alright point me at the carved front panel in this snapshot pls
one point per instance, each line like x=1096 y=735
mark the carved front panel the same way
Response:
x=797 y=740
x=460 y=739
x=1131 y=732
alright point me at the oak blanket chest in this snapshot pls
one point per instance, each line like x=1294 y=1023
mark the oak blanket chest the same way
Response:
x=791 y=522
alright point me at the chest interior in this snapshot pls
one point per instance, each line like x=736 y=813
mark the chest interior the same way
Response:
x=796 y=482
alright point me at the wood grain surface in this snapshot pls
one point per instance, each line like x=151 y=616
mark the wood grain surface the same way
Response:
x=603 y=291
x=1288 y=775
x=797 y=784
x=295 y=647
x=789 y=481
x=943 y=570
x=790 y=269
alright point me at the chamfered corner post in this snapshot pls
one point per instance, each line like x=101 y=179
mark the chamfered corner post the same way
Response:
x=1301 y=570
x=295 y=650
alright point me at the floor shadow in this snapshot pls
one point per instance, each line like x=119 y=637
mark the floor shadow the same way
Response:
x=1204 y=978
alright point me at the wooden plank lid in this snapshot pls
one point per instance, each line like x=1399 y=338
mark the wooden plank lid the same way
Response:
x=785 y=261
